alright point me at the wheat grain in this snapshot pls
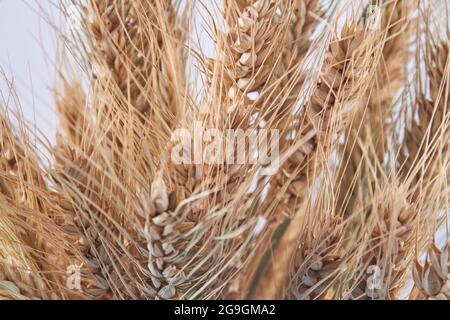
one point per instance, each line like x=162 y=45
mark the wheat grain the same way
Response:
x=317 y=259
x=390 y=245
x=247 y=57
x=371 y=125
x=334 y=102
x=433 y=279
x=163 y=232
x=111 y=201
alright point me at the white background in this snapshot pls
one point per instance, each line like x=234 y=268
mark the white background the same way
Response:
x=27 y=54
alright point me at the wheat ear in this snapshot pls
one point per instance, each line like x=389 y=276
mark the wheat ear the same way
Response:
x=371 y=125
x=390 y=244
x=432 y=279
x=431 y=125
x=21 y=184
x=350 y=60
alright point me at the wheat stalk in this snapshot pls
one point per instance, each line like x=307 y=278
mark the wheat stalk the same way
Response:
x=334 y=101
x=390 y=245
x=432 y=124
x=371 y=125
x=362 y=182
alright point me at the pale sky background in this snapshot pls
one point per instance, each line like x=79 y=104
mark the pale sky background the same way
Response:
x=27 y=56
x=27 y=53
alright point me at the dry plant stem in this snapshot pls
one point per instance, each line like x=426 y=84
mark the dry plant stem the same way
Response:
x=349 y=62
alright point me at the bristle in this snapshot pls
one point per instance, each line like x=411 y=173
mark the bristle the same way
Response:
x=372 y=124
x=354 y=197
x=432 y=279
x=335 y=100
x=390 y=242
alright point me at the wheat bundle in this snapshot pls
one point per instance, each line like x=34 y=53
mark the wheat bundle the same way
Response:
x=141 y=196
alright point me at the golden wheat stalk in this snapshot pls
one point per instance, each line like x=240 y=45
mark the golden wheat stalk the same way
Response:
x=304 y=17
x=113 y=205
x=135 y=52
x=247 y=57
x=175 y=267
x=390 y=245
x=423 y=136
x=371 y=125
x=350 y=60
